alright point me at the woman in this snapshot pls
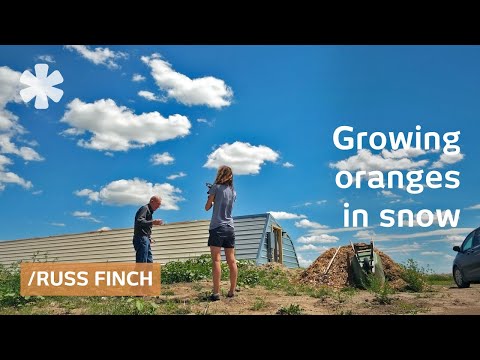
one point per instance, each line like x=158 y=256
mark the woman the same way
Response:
x=222 y=233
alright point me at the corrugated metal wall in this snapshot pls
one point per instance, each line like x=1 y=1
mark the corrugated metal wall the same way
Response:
x=289 y=254
x=175 y=241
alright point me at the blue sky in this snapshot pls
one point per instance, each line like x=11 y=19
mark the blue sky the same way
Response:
x=138 y=120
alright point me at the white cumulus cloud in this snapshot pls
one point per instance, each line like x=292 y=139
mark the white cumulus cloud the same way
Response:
x=455 y=238
x=365 y=160
x=4 y=161
x=447 y=159
x=473 y=207
x=9 y=86
x=305 y=223
x=427 y=253
x=12 y=178
x=134 y=192
x=99 y=55
x=162 y=159
x=81 y=213
x=287 y=165
x=282 y=215
x=389 y=194
x=243 y=158
x=304 y=263
x=318 y=239
x=10 y=128
x=405 y=249
x=148 y=95
x=92 y=195
x=176 y=176
x=310 y=247
x=207 y=90
x=206 y=122
x=86 y=215
x=138 y=78
x=26 y=153
x=431 y=233
x=402 y=153
x=46 y=58
x=117 y=128
x=365 y=234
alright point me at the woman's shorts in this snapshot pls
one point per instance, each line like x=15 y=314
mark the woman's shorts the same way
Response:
x=222 y=236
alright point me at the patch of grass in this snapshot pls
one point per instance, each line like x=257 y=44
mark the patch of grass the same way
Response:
x=415 y=276
x=259 y=304
x=292 y=309
x=383 y=295
x=29 y=309
x=189 y=270
x=406 y=308
x=248 y=274
x=381 y=289
x=338 y=296
x=345 y=312
x=424 y=295
x=197 y=287
x=320 y=293
x=294 y=290
x=349 y=291
x=10 y=288
x=174 y=308
x=122 y=306
x=168 y=292
x=440 y=279
x=343 y=295
x=273 y=279
x=112 y=306
x=200 y=268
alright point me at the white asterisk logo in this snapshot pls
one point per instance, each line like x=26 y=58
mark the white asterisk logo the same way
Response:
x=41 y=86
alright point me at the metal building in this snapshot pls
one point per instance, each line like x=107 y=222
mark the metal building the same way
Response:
x=258 y=237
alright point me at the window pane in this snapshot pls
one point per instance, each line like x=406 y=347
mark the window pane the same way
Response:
x=467 y=244
x=476 y=239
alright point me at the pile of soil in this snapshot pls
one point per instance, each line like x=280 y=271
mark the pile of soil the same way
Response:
x=339 y=275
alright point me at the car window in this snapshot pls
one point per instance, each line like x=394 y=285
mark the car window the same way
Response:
x=476 y=239
x=468 y=243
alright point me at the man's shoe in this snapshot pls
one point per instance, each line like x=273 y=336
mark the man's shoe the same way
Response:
x=214 y=297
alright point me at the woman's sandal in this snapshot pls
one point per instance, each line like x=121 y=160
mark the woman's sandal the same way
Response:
x=230 y=295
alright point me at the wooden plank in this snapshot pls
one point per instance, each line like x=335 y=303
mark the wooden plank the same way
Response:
x=331 y=261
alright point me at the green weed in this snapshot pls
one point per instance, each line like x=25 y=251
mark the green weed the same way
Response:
x=415 y=276
x=292 y=309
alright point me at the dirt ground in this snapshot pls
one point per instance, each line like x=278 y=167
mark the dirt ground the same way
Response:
x=442 y=300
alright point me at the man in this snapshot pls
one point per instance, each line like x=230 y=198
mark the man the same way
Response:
x=142 y=233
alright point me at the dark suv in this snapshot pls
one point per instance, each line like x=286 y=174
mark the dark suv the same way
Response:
x=466 y=266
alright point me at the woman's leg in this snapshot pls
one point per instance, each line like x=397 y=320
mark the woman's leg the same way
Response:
x=232 y=266
x=216 y=268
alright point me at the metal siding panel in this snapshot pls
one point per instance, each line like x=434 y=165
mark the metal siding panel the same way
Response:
x=261 y=247
x=173 y=241
x=288 y=247
x=261 y=261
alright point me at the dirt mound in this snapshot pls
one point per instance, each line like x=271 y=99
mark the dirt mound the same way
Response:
x=339 y=274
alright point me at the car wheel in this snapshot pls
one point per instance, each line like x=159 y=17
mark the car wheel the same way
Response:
x=458 y=277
